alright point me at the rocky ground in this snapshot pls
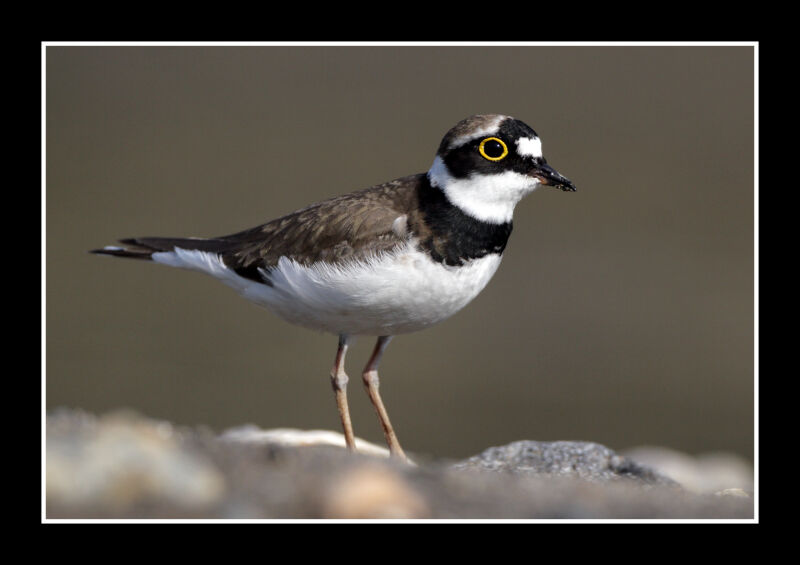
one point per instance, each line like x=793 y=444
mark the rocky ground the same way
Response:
x=123 y=465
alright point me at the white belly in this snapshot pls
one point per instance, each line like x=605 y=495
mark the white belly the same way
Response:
x=393 y=293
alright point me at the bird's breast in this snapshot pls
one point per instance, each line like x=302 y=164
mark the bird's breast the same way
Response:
x=390 y=293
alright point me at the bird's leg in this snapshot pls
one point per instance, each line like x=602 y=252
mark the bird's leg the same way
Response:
x=371 y=382
x=339 y=381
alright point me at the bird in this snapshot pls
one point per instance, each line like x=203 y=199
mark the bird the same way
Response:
x=394 y=258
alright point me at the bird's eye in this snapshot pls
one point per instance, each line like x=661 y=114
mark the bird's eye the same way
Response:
x=493 y=148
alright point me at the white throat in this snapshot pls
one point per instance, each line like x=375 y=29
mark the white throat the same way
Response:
x=489 y=198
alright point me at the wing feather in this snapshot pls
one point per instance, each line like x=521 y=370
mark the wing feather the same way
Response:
x=342 y=228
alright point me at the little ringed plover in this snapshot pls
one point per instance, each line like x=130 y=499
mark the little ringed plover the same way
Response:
x=394 y=258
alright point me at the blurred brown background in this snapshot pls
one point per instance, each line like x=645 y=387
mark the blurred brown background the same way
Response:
x=622 y=313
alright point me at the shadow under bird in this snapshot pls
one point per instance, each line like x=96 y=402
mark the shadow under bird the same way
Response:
x=394 y=258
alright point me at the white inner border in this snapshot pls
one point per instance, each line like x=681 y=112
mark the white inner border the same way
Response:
x=43 y=287
x=408 y=43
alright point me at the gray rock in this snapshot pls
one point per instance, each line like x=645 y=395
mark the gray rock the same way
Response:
x=583 y=460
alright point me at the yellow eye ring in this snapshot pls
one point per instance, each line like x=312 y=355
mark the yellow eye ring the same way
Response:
x=482 y=149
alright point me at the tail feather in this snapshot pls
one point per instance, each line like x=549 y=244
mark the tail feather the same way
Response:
x=144 y=247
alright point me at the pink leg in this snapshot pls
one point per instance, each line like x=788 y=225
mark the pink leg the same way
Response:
x=371 y=382
x=339 y=381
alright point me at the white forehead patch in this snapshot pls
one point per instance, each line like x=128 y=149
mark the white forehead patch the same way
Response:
x=531 y=146
x=489 y=129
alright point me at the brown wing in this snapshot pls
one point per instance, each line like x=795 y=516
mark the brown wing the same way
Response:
x=335 y=230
